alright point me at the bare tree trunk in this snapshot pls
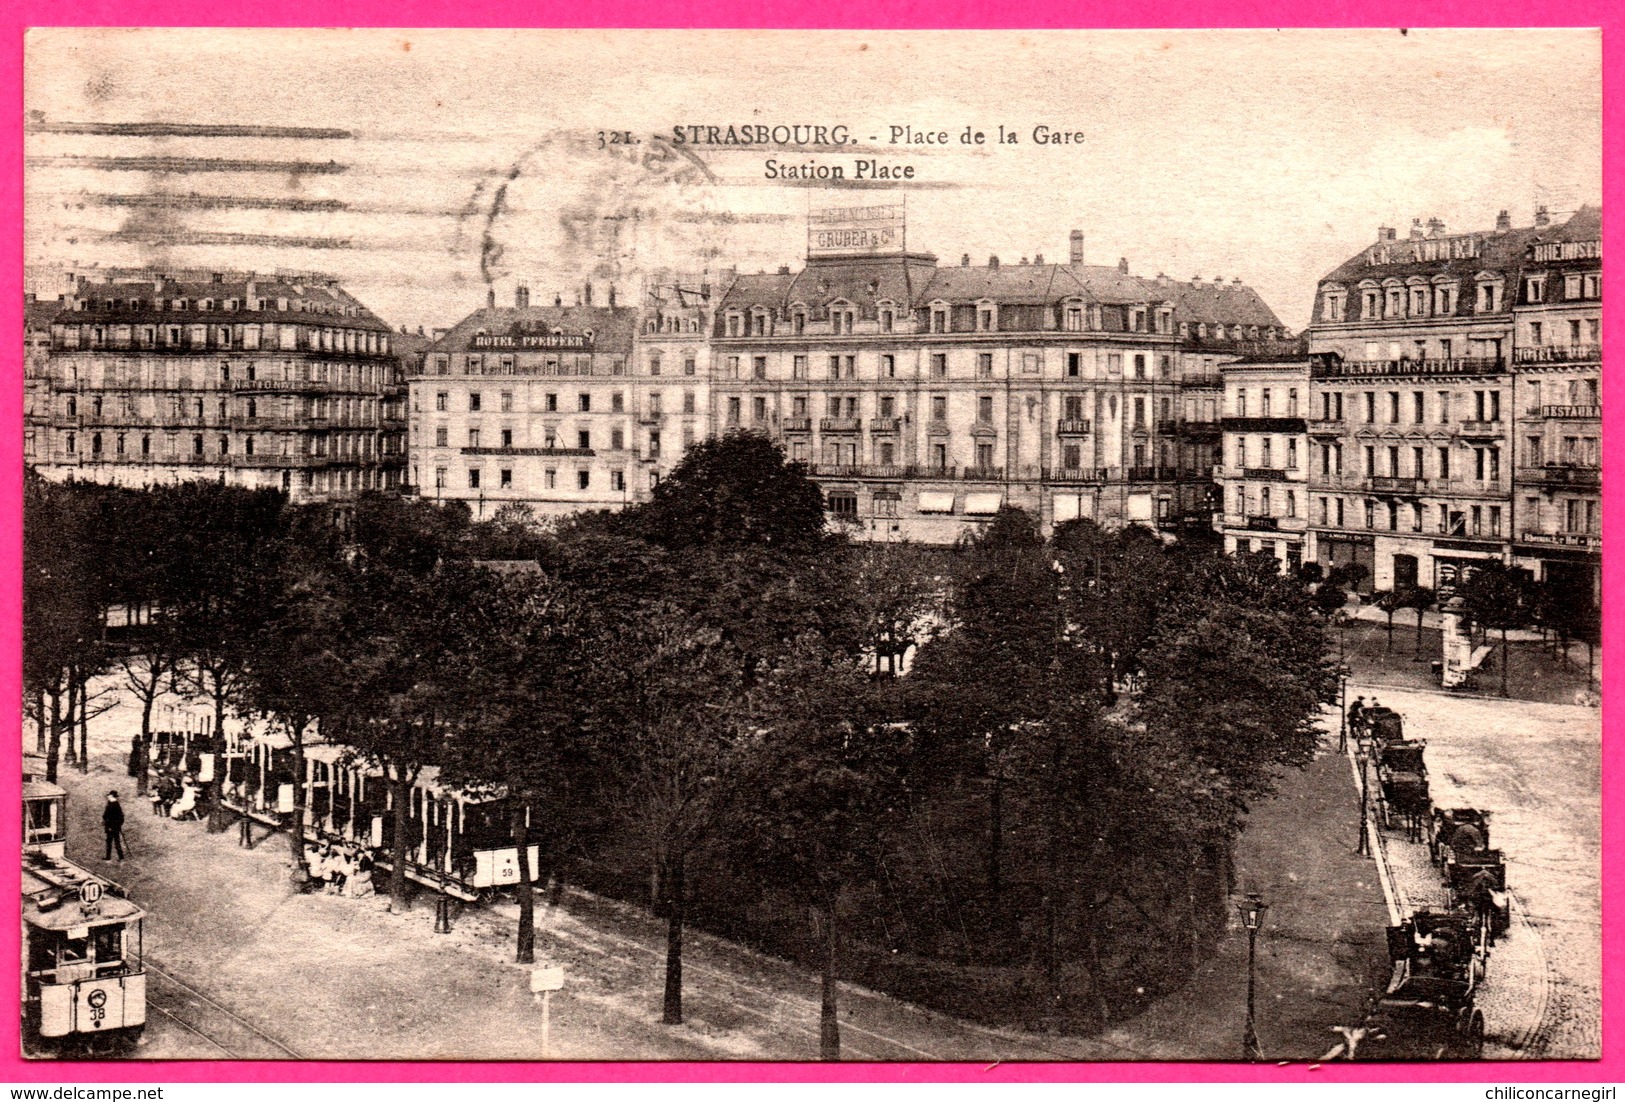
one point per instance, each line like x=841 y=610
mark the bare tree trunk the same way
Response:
x=70 y=719
x=53 y=748
x=145 y=743
x=526 y=950
x=1506 y=660
x=84 y=724
x=296 y=833
x=829 y=1021
x=401 y=793
x=40 y=736
x=217 y=747
x=672 y=1013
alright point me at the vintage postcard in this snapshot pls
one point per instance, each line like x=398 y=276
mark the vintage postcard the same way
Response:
x=821 y=545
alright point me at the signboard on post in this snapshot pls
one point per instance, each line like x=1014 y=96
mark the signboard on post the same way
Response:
x=856 y=231
x=546 y=977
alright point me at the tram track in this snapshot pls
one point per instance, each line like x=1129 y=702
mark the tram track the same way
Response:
x=217 y=1025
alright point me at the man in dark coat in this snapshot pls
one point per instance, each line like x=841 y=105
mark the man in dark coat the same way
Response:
x=113 y=826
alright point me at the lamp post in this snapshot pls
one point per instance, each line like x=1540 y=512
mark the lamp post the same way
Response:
x=1362 y=755
x=1252 y=910
x=1342 y=708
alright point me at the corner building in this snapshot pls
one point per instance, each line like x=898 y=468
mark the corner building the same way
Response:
x=283 y=382
x=1558 y=362
x=922 y=398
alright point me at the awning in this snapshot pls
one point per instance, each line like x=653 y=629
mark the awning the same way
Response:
x=982 y=505
x=936 y=502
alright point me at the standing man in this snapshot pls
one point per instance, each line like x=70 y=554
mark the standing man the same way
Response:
x=113 y=826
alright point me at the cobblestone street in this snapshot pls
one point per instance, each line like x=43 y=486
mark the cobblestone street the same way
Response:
x=1536 y=768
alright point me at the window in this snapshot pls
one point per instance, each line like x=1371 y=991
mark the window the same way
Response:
x=939 y=365
x=1593 y=284
x=1535 y=288
x=1030 y=362
x=1370 y=407
x=842 y=504
x=617 y=440
x=984 y=456
x=583 y=480
x=758 y=367
x=1393 y=407
x=1074 y=365
x=474 y=402
x=550 y=478
x=984 y=409
x=1292 y=402
x=584 y=403
x=583 y=439
x=939 y=407
x=1537 y=333
x=984 y=365
x=886 y=321
x=654 y=365
x=1139 y=365
x=688 y=401
x=473 y=438
x=758 y=409
x=473 y=478
x=1574 y=331
x=507 y=438
x=617 y=402
x=888 y=366
x=1292 y=454
x=617 y=480
x=440 y=401
x=440 y=478
x=688 y=365
x=798 y=367
x=733 y=411
x=654 y=444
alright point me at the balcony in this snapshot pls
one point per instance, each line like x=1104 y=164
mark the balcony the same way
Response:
x=886 y=424
x=1266 y=474
x=1391 y=484
x=893 y=471
x=651 y=417
x=1331 y=367
x=1202 y=380
x=1483 y=429
x=1561 y=474
x=1326 y=426
x=840 y=424
x=982 y=474
x=1558 y=354
x=1073 y=426
x=578 y=452
x=796 y=424
x=1571 y=413
x=1264 y=424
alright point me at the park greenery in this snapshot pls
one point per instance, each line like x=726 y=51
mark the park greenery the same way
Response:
x=1005 y=780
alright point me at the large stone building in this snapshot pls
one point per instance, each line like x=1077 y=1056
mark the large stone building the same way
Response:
x=922 y=398
x=1557 y=506
x=1411 y=411
x=1454 y=413
x=282 y=381
x=532 y=405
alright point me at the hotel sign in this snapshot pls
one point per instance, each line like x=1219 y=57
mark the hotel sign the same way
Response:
x=855 y=231
x=1565 y=250
x=533 y=340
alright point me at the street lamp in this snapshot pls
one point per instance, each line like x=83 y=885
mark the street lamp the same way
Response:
x=1252 y=910
x=1342 y=709
x=1362 y=755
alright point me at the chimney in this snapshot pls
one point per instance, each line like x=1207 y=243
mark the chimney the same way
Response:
x=1542 y=216
x=1236 y=281
x=964 y=261
x=588 y=298
x=1077 y=246
x=490 y=298
x=578 y=296
x=1023 y=260
x=784 y=269
x=420 y=330
x=993 y=262
x=1435 y=227
x=158 y=286
x=1038 y=258
x=217 y=277
x=1416 y=227
x=1122 y=264
x=521 y=297
x=558 y=299
x=612 y=294
x=1386 y=233
x=1503 y=222
x=1195 y=279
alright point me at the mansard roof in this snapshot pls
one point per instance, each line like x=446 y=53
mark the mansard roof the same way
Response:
x=612 y=326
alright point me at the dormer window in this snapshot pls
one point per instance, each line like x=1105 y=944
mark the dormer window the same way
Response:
x=1331 y=308
x=886 y=319
x=1137 y=319
x=939 y=317
x=734 y=325
x=1393 y=301
x=1165 y=319
x=1534 y=289
x=1418 y=301
x=798 y=322
x=1444 y=299
x=1489 y=297
x=1072 y=318
x=987 y=317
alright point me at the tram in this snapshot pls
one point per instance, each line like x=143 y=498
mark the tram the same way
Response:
x=83 y=982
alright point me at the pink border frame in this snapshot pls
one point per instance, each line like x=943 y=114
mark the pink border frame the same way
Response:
x=833 y=14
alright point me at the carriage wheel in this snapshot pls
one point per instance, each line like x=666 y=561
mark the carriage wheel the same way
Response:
x=1475 y=1035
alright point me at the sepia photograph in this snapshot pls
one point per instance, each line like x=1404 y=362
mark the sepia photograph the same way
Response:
x=791 y=546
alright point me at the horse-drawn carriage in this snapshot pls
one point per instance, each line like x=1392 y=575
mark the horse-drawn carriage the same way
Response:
x=1382 y=724
x=1403 y=778
x=1428 y=1011
x=1475 y=873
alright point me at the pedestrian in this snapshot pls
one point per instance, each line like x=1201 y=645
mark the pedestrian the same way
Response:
x=1356 y=710
x=113 y=827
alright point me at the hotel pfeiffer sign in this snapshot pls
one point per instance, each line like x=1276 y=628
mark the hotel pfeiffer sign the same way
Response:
x=855 y=231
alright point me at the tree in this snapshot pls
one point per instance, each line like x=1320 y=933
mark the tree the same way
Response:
x=818 y=783
x=733 y=490
x=672 y=703
x=521 y=658
x=215 y=591
x=1494 y=595
x=1390 y=601
x=988 y=674
x=1419 y=598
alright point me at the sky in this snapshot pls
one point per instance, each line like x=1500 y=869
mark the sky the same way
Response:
x=423 y=167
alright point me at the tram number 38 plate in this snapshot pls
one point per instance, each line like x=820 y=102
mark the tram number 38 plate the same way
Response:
x=98 y=1007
